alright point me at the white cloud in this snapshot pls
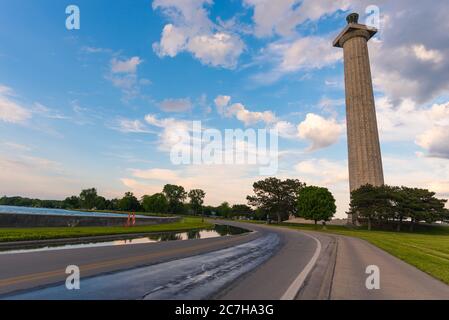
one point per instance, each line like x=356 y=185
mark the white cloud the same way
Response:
x=156 y=174
x=239 y=111
x=222 y=101
x=425 y=54
x=176 y=105
x=6 y=91
x=125 y=66
x=10 y=110
x=302 y=54
x=219 y=49
x=250 y=117
x=332 y=174
x=286 y=129
x=131 y=126
x=44 y=111
x=319 y=131
x=191 y=13
x=93 y=50
x=191 y=30
x=123 y=75
x=22 y=173
x=306 y=53
x=329 y=104
x=326 y=171
x=126 y=83
x=410 y=60
x=172 y=132
x=16 y=146
x=435 y=141
x=408 y=122
x=139 y=189
x=440 y=187
x=409 y=57
x=172 y=42
x=283 y=16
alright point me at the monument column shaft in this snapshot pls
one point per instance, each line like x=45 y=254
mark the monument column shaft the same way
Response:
x=365 y=161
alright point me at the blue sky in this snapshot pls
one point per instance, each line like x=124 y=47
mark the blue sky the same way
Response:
x=96 y=106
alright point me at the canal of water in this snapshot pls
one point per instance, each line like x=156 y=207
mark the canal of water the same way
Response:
x=216 y=231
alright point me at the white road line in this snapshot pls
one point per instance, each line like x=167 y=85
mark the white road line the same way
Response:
x=296 y=285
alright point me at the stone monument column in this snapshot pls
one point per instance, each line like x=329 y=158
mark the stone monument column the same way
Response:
x=364 y=156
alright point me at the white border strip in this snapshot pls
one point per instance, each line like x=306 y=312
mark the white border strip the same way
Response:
x=296 y=285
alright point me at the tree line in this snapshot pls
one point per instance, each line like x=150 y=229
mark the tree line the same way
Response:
x=273 y=199
x=387 y=205
x=382 y=206
x=173 y=199
x=278 y=200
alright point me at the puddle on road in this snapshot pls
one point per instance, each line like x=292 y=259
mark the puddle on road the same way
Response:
x=216 y=231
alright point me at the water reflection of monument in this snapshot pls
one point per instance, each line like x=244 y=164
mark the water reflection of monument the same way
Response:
x=364 y=156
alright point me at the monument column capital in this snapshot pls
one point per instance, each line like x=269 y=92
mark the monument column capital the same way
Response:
x=353 y=34
x=354 y=30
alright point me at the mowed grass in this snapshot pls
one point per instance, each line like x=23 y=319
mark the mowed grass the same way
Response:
x=427 y=248
x=23 y=234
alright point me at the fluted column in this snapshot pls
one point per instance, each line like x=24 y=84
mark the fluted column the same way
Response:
x=365 y=160
x=364 y=155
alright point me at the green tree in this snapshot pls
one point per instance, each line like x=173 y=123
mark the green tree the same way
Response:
x=407 y=205
x=101 y=203
x=241 y=210
x=209 y=210
x=113 y=204
x=197 y=200
x=129 y=202
x=224 y=210
x=176 y=195
x=372 y=203
x=157 y=203
x=445 y=216
x=88 y=198
x=421 y=205
x=276 y=197
x=72 y=202
x=315 y=203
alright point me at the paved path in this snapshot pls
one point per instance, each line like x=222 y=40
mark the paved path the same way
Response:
x=398 y=280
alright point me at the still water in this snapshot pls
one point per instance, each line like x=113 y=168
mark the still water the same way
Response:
x=216 y=231
x=59 y=212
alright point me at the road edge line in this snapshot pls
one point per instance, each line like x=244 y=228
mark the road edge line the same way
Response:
x=297 y=284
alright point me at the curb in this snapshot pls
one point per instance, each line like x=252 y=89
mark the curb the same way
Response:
x=67 y=241
x=326 y=288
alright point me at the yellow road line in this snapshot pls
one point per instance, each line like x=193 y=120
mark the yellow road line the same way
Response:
x=109 y=263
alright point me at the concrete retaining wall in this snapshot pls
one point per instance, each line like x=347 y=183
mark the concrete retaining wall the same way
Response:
x=13 y=220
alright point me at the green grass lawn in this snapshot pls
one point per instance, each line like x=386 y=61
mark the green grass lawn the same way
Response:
x=427 y=248
x=22 y=234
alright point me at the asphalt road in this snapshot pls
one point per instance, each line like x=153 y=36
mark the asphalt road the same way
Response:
x=26 y=271
x=270 y=263
x=39 y=274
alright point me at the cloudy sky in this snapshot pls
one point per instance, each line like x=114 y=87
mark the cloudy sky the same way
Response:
x=98 y=106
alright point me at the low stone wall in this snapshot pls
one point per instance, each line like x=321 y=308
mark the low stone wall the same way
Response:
x=13 y=220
